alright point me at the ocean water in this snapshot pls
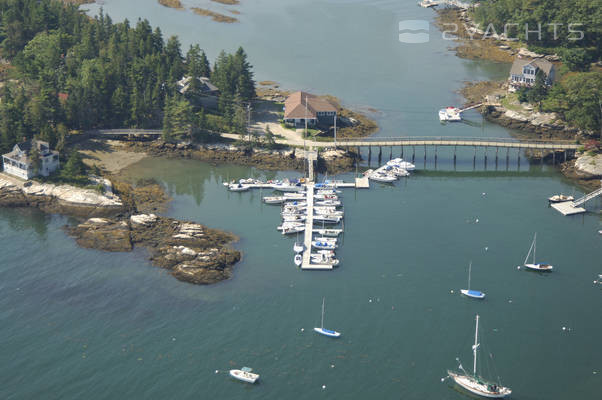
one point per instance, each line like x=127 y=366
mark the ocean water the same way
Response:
x=80 y=323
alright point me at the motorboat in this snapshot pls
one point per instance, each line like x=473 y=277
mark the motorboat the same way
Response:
x=543 y=267
x=296 y=203
x=382 y=177
x=321 y=258
x=428 y=3
x=293 y=218
x=238 y=187
x=559 y=198
x=324 y=331
x=298 y=260
x=326 y=239
x=287 y=186
x=328 y=219
x=452 y=114
x=290 y=224
x=294 y=195
x=474 y=383
x=401 y=164
x=292 y=229
x=298 y=247
x=333 y=203
x=274 y=199
x=319 y=211
x=322 y=197
x=323 y=245
x=244 y=374
x=329 y=232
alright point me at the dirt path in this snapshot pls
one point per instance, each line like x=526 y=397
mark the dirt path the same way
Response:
x=108 y=154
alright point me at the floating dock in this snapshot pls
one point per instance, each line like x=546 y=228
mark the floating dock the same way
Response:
x=309 y=231
x=567 y=208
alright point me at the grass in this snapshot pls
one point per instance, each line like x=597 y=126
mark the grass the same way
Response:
x=507 y=102
x=217 y=17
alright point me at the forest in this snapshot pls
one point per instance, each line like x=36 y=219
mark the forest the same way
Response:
x=63 y=71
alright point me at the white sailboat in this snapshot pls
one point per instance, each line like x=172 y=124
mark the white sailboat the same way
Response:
x=324 y=331
x=474 y=383
x=329 y=232
x=533 y=265
x=475 y=294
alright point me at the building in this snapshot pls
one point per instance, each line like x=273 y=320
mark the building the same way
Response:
x=18 y=162
x=209 y=92
x=524 y=71
x=318 y=110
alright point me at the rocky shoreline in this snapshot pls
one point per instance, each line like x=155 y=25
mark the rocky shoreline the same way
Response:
x=122 y=220
x=331 y=161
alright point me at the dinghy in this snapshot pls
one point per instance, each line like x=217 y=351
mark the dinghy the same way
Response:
x=298 y=260
x=244 y=374
x=475 y=294
x=237 y=187
x=323 y=331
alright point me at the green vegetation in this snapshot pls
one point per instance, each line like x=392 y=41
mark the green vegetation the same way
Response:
x=562 y=22
x=78 y=73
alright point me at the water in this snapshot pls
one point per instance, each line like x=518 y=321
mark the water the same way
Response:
x=80 y=323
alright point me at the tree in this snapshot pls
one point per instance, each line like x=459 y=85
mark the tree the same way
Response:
x=74 y=167
x=538 y=92
x=270 y=142
x=35 y=158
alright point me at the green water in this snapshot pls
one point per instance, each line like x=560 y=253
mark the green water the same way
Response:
x=83 y=324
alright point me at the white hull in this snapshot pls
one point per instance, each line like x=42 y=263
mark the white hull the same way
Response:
x=293 y=229
x=298 y=260
x=470 y=384
x=450 y=114
x=238 y=188
x=382 y=178
x=327 y=332
x=540 y=267
x=273 y=200
x=475 y=294
x=298 y=248
x=329 y=232
x=287 y=188
x=248 y=377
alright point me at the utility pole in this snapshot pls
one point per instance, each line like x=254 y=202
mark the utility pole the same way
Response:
x=249 y=121
x=335 y=130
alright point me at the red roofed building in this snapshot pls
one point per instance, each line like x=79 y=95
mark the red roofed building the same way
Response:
x=300 y=106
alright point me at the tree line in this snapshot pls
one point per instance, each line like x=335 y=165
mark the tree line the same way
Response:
x=63 y=70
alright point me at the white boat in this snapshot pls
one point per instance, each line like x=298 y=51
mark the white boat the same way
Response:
x=291 y=229
x=323 y=245
x=334 y=203
x=288 y=187
x=328 y=219
x=294 y=195
x=536 y=266
x=293 y=218
x=559 y=198
x=324 y=258
x=450 y=114
x=329 y=232
x=298 y=247
x=475 y=294
x=428 y=3
x=237 y=187
x=290 y=224
x=318 y=211
x=326 y=197
x=328 y=191
x=244 y=374
x=326 y=239
x=382 y=177
x=323 y=331
x=298 y=260
x=273 y=199
x=408 y=166
x=474 y=383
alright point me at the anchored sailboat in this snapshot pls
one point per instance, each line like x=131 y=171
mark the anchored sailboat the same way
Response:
x=475 y=294
x=536 y=266
x=474 y=383
x=324 y=331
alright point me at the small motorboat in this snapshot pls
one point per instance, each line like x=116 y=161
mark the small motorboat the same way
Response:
x=298 y=247
x=273 y=199
x=238 y=187
x=560 y=198
x=326 y=239
x=290 y=224
x=319 y=211
x=382 y=177
x=294 y=195
x=291 y=229
x=329 y=232
x=328 y=219
x=244 y=374
x=326 y=197
x=298 y=260
x=452 y=114
x=334 y=203
x=323 y=245
x=293 y=218
x=324 y=258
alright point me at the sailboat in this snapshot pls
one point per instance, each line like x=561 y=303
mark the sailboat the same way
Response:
x=533 y=265
x=324 y=331
x=475 y=294
x=475 y=384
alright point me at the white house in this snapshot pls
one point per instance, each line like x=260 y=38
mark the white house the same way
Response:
x=524 y=71
x=18 y=161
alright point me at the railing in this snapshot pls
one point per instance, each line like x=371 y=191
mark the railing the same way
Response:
x=125 y=132
x=587 y=197
x=457 y=139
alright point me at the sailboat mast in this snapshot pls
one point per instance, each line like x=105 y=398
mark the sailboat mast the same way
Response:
x=469 y=270
x=474 y=348
x=322 y=325
x=534 y=246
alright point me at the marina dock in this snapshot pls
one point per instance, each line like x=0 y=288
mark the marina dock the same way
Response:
x=309 y=231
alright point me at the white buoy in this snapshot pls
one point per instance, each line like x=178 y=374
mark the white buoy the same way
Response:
x=323 y=387
x=483 y=194
x=476 y=220
x=217 y=371
x=370 y=301
x=564 y=328
x=442 y=379
x=518 y=267
x=451 y=291
x=486 y=248
x=331 y=365
x=302 y=329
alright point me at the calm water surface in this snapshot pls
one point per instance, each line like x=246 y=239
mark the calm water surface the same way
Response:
x=80 y=323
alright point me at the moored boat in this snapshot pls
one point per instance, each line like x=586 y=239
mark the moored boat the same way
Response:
x=329 y=232
x=450 y=114
x=559 y=198
x=323 y=331
x=298 y=259
x=543 y=267
x=244 y=374
x=475 y=294
x=274 y=199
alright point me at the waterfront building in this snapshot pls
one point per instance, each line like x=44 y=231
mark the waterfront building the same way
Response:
x=302 y=106
x=19 y=163
x=524 y=71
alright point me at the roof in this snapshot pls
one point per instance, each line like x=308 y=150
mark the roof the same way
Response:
x=294 y=106
x=26 y=147
x=206 y=85
x=541 y=63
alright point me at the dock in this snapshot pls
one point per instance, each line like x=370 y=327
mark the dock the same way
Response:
x=567 y=208
x=309 y=231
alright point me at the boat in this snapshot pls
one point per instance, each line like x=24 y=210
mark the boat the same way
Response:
x=559 y=198
x=401 y=164
x=298 y=260
x=474 y=383
x=322 y=197
x=288 y=186
x=273 y=199
x=450 y=114
x=329 y=232
x=536 y=266
x=298 y=247
x=323 y=331
x=290 y=229
x=428 y=3
x=318 y=211
x=237 y=187
x=294 y=195
x=328 y=219
x=324 y=258
x=334 y=203
x=290 y=224
x=475 y=294
x=382 y=177
x=323 y=245
x=293 y=218
x=244 y=374
x=326 y=239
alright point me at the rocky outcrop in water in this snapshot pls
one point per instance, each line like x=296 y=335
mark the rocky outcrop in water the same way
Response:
x=190 y=251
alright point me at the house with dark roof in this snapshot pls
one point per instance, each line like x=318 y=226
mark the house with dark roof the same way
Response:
x=209 y=92
x=302 y=106
x=19 y=163
x=524 y=71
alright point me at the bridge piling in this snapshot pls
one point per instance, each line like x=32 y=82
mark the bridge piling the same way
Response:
x=435 y=155
x=390 y=152
x=401 y=151
x=380 y=154
x=425 y=153
x=554 y=157
x=413 y=153
x=369 y=155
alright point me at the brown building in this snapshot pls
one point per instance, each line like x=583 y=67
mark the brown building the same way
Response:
x=300 y=106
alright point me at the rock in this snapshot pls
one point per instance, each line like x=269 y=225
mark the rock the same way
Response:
x=103 y=234
x=552 y=57
x=589 y=165
x=523 y=52
x=143 y=219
